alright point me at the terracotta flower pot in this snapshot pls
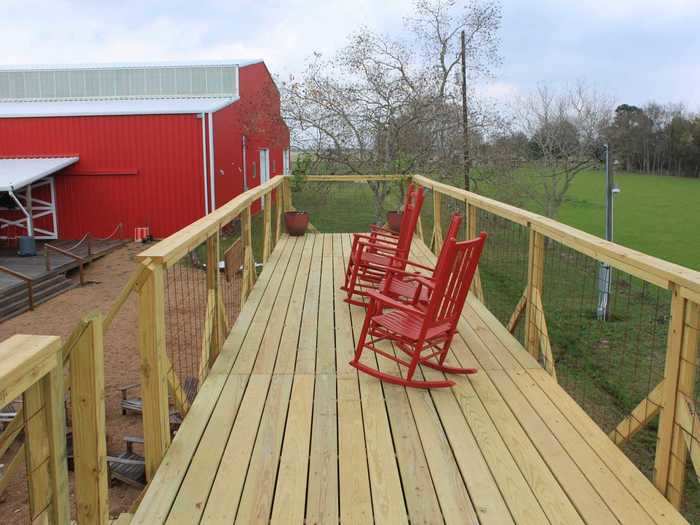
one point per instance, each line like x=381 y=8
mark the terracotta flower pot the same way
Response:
x=296 y=222
x=393 y=218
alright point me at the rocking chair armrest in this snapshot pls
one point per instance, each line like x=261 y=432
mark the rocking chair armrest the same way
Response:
x=416 y=265
x=393 y=303
x=367 y=240
x=383 y=232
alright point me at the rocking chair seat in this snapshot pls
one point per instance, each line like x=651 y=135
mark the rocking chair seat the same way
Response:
x=408 y=326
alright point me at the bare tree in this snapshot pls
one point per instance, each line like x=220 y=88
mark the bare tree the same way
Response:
x=391 y=105
x=565 y=131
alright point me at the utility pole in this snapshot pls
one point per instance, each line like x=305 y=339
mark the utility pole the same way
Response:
x=605 y=271
x=465 y=115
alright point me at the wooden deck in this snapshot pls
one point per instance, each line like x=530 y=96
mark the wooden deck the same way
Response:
x=284 y=430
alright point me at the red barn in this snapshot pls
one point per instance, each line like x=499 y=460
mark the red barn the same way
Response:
x=86 y=148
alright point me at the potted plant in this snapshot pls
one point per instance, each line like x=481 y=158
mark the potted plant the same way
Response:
x=296 y=222
x=393 y=219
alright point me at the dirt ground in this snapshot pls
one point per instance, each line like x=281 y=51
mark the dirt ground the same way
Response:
x=105 y=277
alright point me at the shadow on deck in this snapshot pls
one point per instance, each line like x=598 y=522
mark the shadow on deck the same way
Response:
x=283 y=429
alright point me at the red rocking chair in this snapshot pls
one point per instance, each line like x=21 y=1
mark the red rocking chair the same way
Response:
x=423 y=334
x=411 y=287
x=372 y=254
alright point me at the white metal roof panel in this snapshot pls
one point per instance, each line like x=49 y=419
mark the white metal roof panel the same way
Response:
x=128 y=65
x=18 y=173
x=146 y=106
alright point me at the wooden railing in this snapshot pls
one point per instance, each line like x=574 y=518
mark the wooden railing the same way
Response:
x=673 y=398
x=32 y=367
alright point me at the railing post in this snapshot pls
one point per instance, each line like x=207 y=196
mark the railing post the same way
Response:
x=278 y=213
x=213 y=290
x=88 y=416
x=287 y=193
x=267 y=227
x=472 y=232
x=535 y=280
x=678 y=388
x=436 y=242
x=154 y=382
x=249 y=276
x=45 y=448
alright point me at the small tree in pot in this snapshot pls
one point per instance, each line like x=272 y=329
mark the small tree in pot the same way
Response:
x=296 y=222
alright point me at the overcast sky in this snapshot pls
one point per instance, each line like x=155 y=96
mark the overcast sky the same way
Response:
x=634 y=50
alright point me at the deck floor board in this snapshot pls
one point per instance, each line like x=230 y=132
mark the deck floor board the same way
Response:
x=284 y=430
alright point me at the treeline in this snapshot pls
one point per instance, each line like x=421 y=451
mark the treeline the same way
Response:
x=663 y=140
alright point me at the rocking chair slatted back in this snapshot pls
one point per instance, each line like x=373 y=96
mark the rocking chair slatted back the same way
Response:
x=453 y=277
x=411 y=212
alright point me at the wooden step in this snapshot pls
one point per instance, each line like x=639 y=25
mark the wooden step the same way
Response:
x=54 y=287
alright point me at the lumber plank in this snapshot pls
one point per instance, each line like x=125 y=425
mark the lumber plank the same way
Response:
x=644 y=412
x=164 y=488
x=24 y=359
x=607 y=482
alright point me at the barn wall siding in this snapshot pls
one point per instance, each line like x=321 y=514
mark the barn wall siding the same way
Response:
x=164 y=152
x=257 y=116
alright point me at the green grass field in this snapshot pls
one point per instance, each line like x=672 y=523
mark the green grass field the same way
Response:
x=656 y=215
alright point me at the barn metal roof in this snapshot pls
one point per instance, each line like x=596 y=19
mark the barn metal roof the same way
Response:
x=132 y=106
x=18 y=173
x=129 y=65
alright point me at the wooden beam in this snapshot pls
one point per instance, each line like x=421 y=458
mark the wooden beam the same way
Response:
x=419 y=229
x=354 y=178
x=12 y=430
x=182 y=403
x=45 y=445
x=665 y=443
x=11 y=469
x=472 y=231
x=88 y=417
x=687 y=365
x=545 y=344
x=207 y=335
x=689 y=426
x=24 y=359
x=517 y=313
x=267 y=227
x=55 y=410
x=154 y=383
x=278 y=214
x=644 y=412
x=216 y=339
x=135 y=281
x=437 y=240
x=535 y=280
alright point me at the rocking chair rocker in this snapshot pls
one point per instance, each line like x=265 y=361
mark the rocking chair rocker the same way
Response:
x=372 y=254
x=424 y=334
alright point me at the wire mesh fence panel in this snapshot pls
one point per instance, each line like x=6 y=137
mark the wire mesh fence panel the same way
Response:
x=187 y=327
x=605 y=332
x=503 y=266
x=342 y=207
x=230 y=279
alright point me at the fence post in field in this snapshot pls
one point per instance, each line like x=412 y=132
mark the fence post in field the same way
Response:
x=154 y=382
x=213 y=301
x=278 y=213
x=535 y=280
x=437 y=240
x=267 y=227
x=678 y=421
x=472 y=232
x=88 y=419
x=45 y=446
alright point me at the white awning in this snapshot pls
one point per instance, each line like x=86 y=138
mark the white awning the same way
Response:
x=86 y=108
x=18 y=173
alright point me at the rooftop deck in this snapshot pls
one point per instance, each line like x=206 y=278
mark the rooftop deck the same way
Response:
x=283 y=429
